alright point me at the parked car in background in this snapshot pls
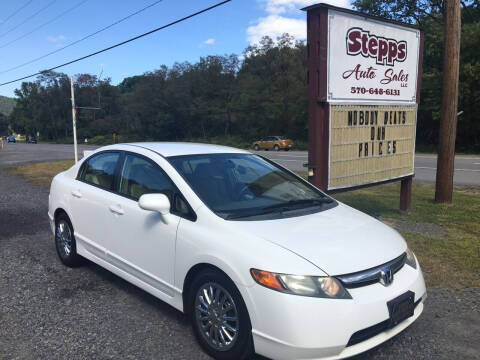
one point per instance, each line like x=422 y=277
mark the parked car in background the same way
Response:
x=258 y=258
x=31 y=139
x=276 y=143
x=11 y=139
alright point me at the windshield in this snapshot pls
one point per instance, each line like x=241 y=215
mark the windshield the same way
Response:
x=245 y=185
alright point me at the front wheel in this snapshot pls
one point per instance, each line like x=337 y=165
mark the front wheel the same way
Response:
x=219 y=317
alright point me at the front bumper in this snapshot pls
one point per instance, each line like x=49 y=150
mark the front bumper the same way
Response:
x=297 y=327
x=52 y=222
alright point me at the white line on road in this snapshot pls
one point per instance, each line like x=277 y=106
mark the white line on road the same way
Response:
x=300 y=156
x=456 y=157
x=282 y=159
x=416 y=156
x=432 y=168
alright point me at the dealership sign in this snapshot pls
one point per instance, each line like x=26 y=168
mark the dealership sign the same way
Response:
x=363 y=89
x=370 y=143
x=371 y=61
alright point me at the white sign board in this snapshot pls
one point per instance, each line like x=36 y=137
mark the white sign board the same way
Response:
x=371 y=62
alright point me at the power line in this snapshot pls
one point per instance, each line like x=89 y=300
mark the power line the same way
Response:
x=120 y=43
x=29 y=18
x=45 y=23
x=16 y=12
x=82 y=39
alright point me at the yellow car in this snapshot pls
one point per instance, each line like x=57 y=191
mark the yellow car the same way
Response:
x=276 y=143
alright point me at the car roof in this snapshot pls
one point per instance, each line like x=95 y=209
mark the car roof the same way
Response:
x=167 y=149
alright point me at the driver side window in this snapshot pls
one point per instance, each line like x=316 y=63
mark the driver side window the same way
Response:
x=140 y=176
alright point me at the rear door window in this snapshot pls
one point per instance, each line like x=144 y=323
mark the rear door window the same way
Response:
x=99 y=170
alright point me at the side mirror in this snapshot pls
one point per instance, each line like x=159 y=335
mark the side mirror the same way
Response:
x=155 y=202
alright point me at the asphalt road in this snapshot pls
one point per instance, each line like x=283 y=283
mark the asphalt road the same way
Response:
x=21 y=153
x=467 y=168
x=49 y=311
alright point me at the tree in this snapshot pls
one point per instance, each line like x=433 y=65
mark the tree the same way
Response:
x=3 y=125
x=429 y=14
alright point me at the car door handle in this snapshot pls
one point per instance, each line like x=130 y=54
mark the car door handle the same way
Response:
x=116 y=209
x=76 y=194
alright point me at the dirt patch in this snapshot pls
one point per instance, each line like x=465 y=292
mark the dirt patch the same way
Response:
x=24 y=222
x=407 y=226
x=468 y=189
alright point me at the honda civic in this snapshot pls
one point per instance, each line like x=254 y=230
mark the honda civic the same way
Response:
x=260 y=260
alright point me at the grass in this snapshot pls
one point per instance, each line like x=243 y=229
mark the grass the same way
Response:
x=41 y=173
x=451 y=260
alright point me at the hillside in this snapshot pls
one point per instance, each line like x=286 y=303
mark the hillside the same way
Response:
x=6 y=105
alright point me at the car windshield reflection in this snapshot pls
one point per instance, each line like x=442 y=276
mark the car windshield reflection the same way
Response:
x=243 y=185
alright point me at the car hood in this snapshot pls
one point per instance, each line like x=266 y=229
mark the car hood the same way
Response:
x=339 y=241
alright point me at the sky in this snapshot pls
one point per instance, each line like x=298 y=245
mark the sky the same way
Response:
x=27 y=32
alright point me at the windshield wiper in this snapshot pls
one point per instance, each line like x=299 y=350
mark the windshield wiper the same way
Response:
x=294 y=203
x=285 y=206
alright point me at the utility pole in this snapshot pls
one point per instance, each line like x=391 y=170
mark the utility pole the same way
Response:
x=448 y=122
x=74 y=119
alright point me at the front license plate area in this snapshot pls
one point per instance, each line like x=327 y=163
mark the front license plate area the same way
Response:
x=401 y=308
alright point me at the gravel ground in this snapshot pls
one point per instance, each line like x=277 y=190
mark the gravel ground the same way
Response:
x=48 y=311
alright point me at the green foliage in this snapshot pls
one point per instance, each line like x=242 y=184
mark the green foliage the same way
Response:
x=448 y=260
x=225 y=100
x=429 y=15
x=3 y=125
x=218 y=99
x=6 y=105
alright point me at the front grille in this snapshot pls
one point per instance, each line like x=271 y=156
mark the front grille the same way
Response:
x=373 y=275
x=372 y=331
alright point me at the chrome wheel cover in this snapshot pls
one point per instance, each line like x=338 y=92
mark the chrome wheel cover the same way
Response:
x=216 y=316
x=63 y=238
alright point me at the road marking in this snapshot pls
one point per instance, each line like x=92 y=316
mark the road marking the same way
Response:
x=299 y=156
x=286 y=155
x=476 y=163
x=266 y=153
x=282 y=159
x=432 y=168
x=456 y=157
x=467 y=170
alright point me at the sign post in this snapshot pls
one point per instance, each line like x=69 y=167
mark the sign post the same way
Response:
x=364 y=76
x=74 y=119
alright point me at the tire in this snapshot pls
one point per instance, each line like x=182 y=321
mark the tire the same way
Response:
x=287 y=149
x=256 y=147
x=65 y=242
x=276 y=148
x=207 y=317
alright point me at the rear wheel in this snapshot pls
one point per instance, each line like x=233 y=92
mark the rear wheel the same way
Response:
x=65 y=242
x=219 y=317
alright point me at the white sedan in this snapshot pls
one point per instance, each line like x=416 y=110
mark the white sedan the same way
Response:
x=259 y=259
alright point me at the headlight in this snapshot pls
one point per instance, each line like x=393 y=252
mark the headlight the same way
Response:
x=315 y=286
x=411 y=258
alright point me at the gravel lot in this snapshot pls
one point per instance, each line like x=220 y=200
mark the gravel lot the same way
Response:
x=48 y=311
